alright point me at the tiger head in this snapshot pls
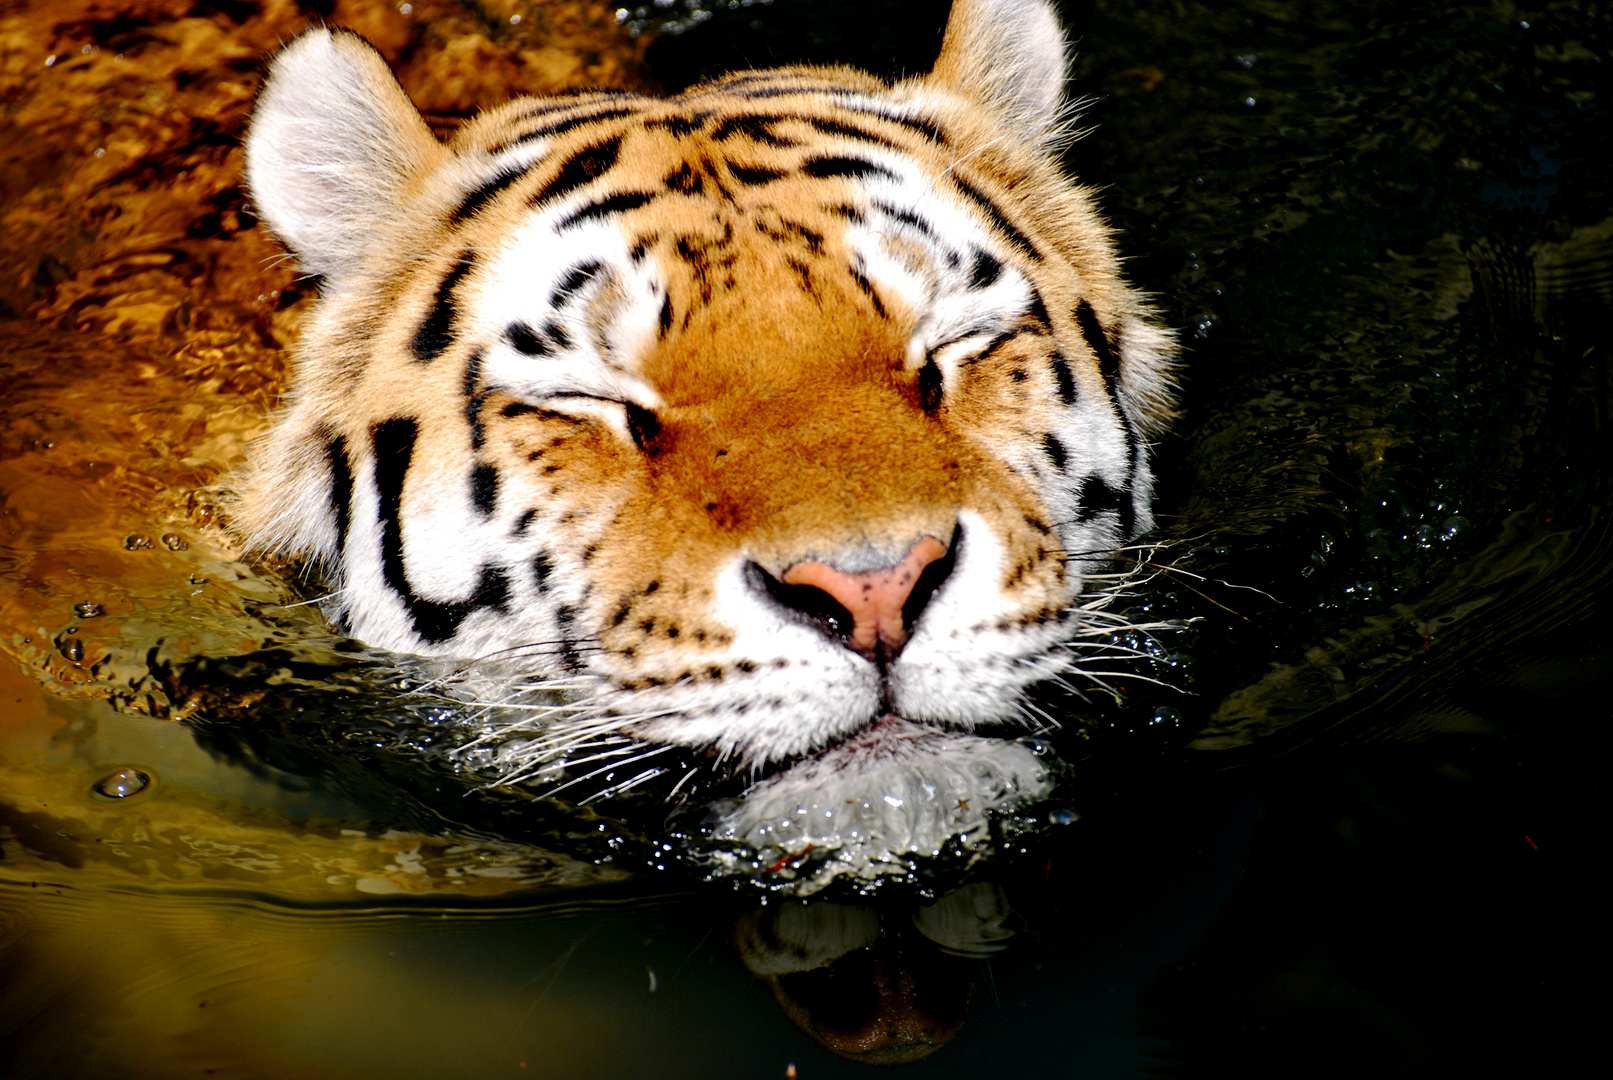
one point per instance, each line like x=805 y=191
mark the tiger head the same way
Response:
x=757 y=414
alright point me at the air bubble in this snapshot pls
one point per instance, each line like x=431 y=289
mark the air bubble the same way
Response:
x=123 y=783
x=88 y=609
x=73 y=649
x=136 y=542
x=174 y=542
x=1062 y=816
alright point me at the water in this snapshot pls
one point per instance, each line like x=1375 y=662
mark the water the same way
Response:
x=231 y=844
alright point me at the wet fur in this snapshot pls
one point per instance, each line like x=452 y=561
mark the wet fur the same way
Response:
x=586 y=375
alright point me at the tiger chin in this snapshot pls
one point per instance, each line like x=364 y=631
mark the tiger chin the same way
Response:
x=791 y=419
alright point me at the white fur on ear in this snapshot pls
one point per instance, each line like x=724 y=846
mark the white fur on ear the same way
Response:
x=1009 y=55
x=333 y=140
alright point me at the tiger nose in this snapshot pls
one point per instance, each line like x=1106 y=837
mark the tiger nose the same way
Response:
x=882 y=603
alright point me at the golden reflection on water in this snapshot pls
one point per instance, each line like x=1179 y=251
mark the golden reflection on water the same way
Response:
x=142 y=317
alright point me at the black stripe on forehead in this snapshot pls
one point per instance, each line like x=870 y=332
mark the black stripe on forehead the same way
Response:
x=393 y=443
x=488 y=190
x=823 y=168
x=601 y=208
x=995 y=213
x=435 y=334
x=931 y=131
x=583 y=167
x=756 y=127
x=558 y=127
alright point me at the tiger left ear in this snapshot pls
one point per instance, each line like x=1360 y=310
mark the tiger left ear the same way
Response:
x=334 y=142
x=1010 y=56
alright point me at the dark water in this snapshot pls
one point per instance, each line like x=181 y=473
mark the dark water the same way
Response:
x=1357 y=842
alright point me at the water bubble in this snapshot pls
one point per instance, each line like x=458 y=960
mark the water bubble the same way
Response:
x=123 y=783
x=73 y=649
x=174 y=542
x=1165 y=717
x=136 y=542
x=88 y=609
x=1062 y=816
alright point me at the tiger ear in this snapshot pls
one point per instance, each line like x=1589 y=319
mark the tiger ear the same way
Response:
x=1009 y=55
x=333 y=141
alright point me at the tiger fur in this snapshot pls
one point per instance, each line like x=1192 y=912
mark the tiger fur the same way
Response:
x=641 y=392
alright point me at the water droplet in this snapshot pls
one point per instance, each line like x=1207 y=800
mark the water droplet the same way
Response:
x=174 y=542
x=88 y=609
x=73 y=649
x=123 y=783
x=136 y=542
x=1039 y=747
x=1062 y=816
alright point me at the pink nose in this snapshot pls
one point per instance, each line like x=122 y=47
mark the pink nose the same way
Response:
x=874 y=598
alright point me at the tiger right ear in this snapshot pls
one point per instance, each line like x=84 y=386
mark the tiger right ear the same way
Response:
x=1009 y=55
x=333 y=141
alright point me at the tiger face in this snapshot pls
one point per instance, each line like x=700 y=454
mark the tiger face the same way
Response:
x=757 y=414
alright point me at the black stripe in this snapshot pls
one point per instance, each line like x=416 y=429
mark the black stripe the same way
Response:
x=906 y=217
x=758 y=128
x=1038 y=310
x=868 y=290
x=1109 y=367
x=526 y=340
x=985 y=272
x=1098 y=342
x=930 y=387
x=484 y=488
x=580 y=275
x=993 y=211
x=474 y=398
x=848 y=131
x=583 y=167
x=1055 y=450
x=435 y=334
x=930 y=131
x=679 y=126
x=750 y=125
x=393 y=444
x=341 y=489
x=754 y=176
x=1097 y=497
x=614 y=204
x=489 y=188
x=823 y=168
x=1066 y=381
x=666 y=314
x=558 y=127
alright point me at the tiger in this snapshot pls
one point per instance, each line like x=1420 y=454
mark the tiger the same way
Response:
x=766 y=417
